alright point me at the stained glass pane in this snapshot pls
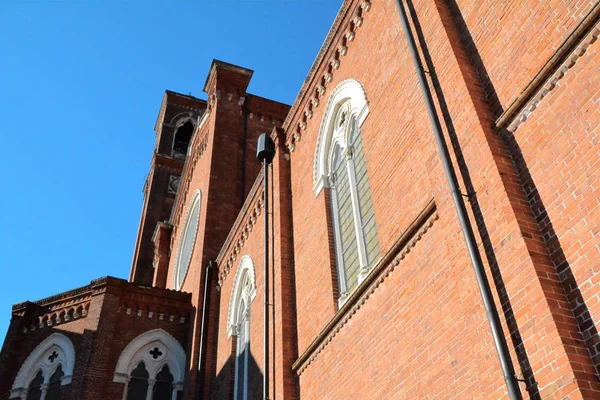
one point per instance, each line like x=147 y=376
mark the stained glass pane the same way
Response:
x=54 y=387
x=241 y=353
x=35 y=387
x=187 y=243
x=345 y=229
x=163 y=388
x=138 y=385
x=364 y=199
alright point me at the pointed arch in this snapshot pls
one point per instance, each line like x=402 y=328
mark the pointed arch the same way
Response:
x=349 y=93
x=54 y=351
x=245 y=273
x=340 y=165
x=182 y=118
x=155 y=348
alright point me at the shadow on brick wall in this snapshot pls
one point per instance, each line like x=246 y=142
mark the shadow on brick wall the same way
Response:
x=581 y=317
x=224 y=382
x=581 y=314
x=517 y=340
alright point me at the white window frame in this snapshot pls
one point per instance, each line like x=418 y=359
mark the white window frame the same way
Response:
x=245 y=268
x=238 y=319
x=348 y=99
x=349 y=91
x=138 y=350
x=243 y=325
x=184 y=262
x=38 y=359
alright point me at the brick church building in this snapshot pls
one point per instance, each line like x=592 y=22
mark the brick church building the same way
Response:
x=433 y=210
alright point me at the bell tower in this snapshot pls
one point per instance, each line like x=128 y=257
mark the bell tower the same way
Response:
x=176 y=124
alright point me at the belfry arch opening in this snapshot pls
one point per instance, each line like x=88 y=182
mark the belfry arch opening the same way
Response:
x=183 y=135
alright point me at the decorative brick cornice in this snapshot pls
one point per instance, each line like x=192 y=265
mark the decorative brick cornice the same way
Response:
x=343 y=31
x=74 y=304
x=361 y=294
x=61 y=297
x=567 y=55
x=59 y=314
x=133 y=310
x=242 y=228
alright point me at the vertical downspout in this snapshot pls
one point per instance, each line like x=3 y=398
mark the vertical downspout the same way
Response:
x=266 y=272
x=265 y=151
x=508 y=370
x=203 y=333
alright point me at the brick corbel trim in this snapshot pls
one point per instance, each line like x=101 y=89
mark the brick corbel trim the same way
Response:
x=565 y=57
x=312 y=93
x=403 y=245
x=241 y=229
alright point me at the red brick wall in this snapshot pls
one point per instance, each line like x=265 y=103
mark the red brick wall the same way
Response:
x=100 y=336
x=18 y=345
x=416 y=328
x=157 y=202
x=226 y=347
x=224 y=174
x=557 y=152
x=516 y=38
x=380 y=352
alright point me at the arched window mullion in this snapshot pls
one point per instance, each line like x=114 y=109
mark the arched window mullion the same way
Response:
x=358 y=224
x=343 y=283
x=35 y=388
x=242 y=350
x=163 y=385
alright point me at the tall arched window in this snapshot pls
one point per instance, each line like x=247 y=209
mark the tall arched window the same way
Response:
x=242 y=352
x=340 y=165
x=238 y=323
x=187 y=240
x=48 y=367
x=152 y=367
x=183 y=135
x=35 y=387
x=54 y=385
x=163 y=388
x=138 y=383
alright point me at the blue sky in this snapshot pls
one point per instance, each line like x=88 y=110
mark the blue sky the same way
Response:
x=80 y=87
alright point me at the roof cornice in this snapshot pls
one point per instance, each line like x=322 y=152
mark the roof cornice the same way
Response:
x=328 y=60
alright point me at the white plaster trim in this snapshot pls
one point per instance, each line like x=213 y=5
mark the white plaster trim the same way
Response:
x=139 y=350
x=179 y=263
x=246 y=267
x=181 y=118
x=349 y=91
x=38 y=360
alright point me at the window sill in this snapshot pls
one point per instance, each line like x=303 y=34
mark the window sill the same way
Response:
x=356 y=298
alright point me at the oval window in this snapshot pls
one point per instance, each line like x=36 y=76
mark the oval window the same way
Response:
x=186 y=243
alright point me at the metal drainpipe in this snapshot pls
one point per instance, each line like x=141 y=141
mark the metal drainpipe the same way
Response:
x=508 y=370
x=266 y=272
x=265 y=151
x=203 y=333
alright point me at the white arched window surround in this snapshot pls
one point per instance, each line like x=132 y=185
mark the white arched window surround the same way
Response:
x=350 y=93
x=142 y=349
x=244 y=286
x=187 y=240
x=336 y=164
x=53 y=351
x=238 y=322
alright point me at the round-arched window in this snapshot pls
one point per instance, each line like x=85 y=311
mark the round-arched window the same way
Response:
x=186 y=243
